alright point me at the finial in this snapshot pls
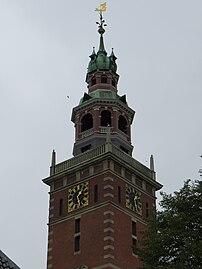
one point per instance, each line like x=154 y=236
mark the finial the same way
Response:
x=108 y=138
x=153 y=175
x=93 y=55
x=152 y=163
x=53 y=162
x=112 y=56
x=101 y=31
x=101 y=24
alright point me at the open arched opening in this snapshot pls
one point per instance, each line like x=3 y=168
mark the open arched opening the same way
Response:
x=122 y=124
x=103 y=79
x=93 y=81
x=86 y=122
x=105 y=118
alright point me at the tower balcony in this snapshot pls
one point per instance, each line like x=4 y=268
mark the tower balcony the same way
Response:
x=104 y=129
x=87 y=133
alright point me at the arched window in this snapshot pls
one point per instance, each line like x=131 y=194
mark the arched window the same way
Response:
x=103 y=79
x=122 y=124
x=86 y=122
x=105 y=118
x=93 y=81
x=113 y=82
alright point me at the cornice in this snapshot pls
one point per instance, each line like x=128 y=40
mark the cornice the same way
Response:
x=97 y=101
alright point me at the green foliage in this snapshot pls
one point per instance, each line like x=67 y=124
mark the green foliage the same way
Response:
x=173 y=239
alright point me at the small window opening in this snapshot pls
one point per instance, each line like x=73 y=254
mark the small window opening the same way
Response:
x=105 y=118
x=113 y=82
x=134 y=245
x=77 y=243
x=77 y=235
x=134 y=228
x=122 y=124
x=119 y=194
x=147 y=210
x=103 y=79
x=88 y=147
x=95 y=193
x=61 y=207
x=86 y=122
x=93 y=81
x=77 y=226
x=134 y=237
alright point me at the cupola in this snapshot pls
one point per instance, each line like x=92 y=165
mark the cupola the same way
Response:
x=102 y=68
x=101 y=108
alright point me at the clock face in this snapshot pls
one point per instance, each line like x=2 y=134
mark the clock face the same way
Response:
x=133 y=199
x=78 y=197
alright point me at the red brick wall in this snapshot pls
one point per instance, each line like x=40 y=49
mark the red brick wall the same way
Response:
x=104 y=231
x=106 y=228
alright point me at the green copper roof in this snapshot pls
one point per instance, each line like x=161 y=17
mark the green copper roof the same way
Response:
x=104 y=94
x=101 y=60
x=101 y=94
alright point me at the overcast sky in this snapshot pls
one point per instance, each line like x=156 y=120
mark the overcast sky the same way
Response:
x=44 y=49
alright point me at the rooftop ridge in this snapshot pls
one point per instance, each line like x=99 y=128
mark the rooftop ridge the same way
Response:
x=6 y=262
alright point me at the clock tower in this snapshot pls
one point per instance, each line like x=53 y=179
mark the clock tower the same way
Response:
x=100 y=198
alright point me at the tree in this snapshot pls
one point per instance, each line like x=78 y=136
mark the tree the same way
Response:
x=173 y=239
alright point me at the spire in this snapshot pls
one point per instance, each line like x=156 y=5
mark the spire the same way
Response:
x=93 y=55
x=100 y=60
x=112 y=56
x=101 y=31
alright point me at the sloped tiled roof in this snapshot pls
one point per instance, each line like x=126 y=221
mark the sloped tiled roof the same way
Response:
x=6 y=263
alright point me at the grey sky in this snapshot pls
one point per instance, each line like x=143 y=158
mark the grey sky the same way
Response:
x=44 y=51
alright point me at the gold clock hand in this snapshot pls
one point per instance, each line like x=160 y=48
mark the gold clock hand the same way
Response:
x=135 y=201
x=78 y=197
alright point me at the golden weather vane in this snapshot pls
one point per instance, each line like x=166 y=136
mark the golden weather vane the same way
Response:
x=102 y=8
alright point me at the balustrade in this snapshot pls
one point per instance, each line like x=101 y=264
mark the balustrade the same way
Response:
x=87 y=133
x=98 y=151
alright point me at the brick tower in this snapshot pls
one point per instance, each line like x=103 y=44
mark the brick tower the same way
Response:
x=100 y=198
